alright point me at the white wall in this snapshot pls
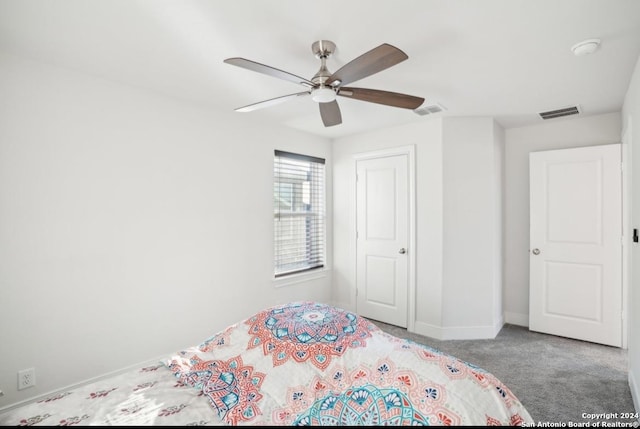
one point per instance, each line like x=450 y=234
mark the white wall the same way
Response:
x=552 y=134
x=459 y=196
x=499 y=208
x=131 y=225
x=631 y=121
x=472 y=240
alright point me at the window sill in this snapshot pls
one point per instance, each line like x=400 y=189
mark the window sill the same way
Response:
x=300 y=278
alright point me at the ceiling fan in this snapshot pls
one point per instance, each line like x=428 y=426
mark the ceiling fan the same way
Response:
x=325 y=86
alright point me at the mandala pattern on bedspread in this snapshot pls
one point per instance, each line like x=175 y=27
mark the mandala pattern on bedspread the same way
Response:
x=231 y=387
x=221 y=339
x=455 y=368
x=307 y=331
x=377 y=394
x=308 y=363
x=366 y=405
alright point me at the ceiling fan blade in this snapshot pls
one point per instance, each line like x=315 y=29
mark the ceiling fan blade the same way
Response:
x=269 y=103
x=268 y=70
x=374 y=61
x=382 y=97
x=330 y=113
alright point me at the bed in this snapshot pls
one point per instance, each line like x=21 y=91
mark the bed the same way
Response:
x=301 y=363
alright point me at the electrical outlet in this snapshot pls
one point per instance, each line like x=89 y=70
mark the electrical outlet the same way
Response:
x=26 y=378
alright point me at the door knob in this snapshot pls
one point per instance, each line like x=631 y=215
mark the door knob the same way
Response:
x=402 y=251
x=536 y=251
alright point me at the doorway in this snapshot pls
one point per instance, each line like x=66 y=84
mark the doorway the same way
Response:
x=576 y=243
x=385 y=243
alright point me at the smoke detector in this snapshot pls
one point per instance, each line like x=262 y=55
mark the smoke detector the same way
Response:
x=585 y=47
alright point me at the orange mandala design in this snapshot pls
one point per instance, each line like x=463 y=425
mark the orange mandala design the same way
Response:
x=307 y=331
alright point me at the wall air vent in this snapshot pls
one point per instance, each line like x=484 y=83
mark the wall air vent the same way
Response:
x=429 y=110
x=558 y=113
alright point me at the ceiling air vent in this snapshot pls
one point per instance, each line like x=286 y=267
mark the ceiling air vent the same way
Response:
x=567 y=111
x=428 y=110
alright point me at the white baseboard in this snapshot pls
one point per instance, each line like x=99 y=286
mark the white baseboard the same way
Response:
x=458 y=332
x=516 y=319
x=82 y=383
x=497 y=327
x=635 y=393
x=428 y=330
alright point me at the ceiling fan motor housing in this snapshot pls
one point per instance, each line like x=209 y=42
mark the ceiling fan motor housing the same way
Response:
x=323 y=49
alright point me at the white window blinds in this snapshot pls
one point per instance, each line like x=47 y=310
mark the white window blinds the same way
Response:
x=298 y=212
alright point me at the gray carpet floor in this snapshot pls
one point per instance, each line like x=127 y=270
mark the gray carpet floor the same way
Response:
x=557 y=379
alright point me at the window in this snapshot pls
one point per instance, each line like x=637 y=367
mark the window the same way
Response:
x=298 y=212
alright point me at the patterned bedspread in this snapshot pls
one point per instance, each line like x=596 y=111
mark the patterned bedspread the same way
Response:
x=303 y=363
x=148 y=396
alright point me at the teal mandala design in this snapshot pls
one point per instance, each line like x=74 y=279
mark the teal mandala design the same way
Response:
x=366 y=405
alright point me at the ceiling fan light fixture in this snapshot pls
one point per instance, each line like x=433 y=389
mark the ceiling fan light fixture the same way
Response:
x=323 y=95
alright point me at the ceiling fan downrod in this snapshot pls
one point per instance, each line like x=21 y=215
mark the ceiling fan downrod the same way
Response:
x=323 y=49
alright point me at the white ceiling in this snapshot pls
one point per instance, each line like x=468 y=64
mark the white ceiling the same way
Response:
x=509 y=59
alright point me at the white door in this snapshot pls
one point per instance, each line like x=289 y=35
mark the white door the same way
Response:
x=382 y=225
x=576 y=243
